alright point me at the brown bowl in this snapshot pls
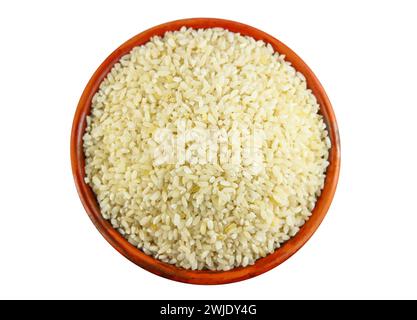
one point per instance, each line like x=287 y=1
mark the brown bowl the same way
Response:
x=170 y=271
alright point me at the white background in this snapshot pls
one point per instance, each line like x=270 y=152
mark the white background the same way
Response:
x=364 y=53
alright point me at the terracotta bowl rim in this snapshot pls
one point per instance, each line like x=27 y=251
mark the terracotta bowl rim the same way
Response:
x=170 y=271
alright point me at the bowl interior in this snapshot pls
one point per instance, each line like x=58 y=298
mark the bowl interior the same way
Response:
x=170 y=271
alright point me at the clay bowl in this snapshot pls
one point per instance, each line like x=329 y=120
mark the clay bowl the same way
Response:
x=88 y=198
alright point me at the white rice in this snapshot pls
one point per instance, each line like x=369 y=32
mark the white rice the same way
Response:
x=189 y=207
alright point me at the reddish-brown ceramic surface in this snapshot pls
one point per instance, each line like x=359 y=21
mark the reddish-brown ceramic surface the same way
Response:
x=166 y=270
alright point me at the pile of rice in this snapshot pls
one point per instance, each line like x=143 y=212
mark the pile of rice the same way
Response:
x=186 y=209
